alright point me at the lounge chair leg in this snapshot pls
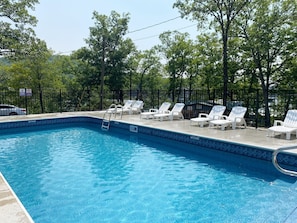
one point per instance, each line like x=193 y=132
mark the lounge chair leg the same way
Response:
x=288 y=135
x=233 y=126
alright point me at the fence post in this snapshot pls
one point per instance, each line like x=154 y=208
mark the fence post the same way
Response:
x=60 y=101
x=113 y=97
x=196 y=96
x=89 y=97
x=257 y=108
x=158 y=97
x=26 y=101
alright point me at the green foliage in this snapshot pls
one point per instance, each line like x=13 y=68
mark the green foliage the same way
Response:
x=208 y=62
x=108 y=51
x=177 y=48
x=146 y=74
x=220 y=14
x=15 y=22
x=270 y=41
x=251 y=45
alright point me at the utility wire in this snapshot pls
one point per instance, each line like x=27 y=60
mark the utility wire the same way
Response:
x=137 y=30
x=148 y=37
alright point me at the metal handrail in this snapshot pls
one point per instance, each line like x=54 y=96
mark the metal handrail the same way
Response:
x=277 y=166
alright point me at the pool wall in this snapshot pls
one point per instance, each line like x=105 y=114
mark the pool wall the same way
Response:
x=231 y=147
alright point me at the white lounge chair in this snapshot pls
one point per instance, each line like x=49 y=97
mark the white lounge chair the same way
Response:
x=176 y=112
x=203 y=118
x=235 y=118
x=288 y=126
x=136 y=107
x=150 y=114
x=127 y=106
x=113 y=109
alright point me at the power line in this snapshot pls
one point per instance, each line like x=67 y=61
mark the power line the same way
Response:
x=148 y=37
x=143 y=38
x=137 y=30
x=187 y=27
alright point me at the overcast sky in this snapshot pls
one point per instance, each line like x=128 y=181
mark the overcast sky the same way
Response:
x=64 y=24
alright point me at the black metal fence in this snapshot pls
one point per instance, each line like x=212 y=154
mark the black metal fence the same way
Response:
x=196 y=101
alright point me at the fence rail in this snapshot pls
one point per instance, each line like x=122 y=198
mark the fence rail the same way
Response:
x=196 y=101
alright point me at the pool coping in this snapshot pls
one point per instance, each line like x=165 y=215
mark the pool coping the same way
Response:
x=11 y=208
x=18 y=212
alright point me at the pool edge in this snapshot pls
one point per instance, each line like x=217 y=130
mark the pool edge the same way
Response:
x=11 y=208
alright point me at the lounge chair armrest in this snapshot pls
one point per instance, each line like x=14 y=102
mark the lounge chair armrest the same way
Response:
x=203 y=115
x=278 y=122
x=153 y=110
x=224 y=117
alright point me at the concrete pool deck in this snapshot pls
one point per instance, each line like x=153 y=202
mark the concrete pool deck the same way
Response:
x=12 y=211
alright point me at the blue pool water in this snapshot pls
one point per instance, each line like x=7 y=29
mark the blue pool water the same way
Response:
x=82 y=174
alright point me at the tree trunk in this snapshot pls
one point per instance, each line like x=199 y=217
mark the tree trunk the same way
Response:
x=225 y=67
x=40 y=98
x=102 y=74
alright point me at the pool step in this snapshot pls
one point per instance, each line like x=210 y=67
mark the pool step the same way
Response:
x=105 y=124
x=106 y=121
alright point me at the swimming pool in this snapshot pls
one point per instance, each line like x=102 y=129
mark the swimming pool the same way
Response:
x=78 y=173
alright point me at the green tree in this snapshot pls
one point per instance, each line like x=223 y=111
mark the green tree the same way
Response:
x=177 y=48
x=15 y=22
x=108 y=50
x=148 y=72
x=4 y=74
x=119 y=65
x=221 y=14
x=34 y=70
x=270 y=39
x=64 y=71
x=87 y=76
x=208 y=62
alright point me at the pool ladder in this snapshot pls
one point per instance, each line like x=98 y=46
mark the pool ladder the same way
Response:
x=277 y=166
x=106 y=122
x=113 y=109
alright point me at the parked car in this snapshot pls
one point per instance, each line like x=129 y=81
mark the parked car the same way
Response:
x=11 y=110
